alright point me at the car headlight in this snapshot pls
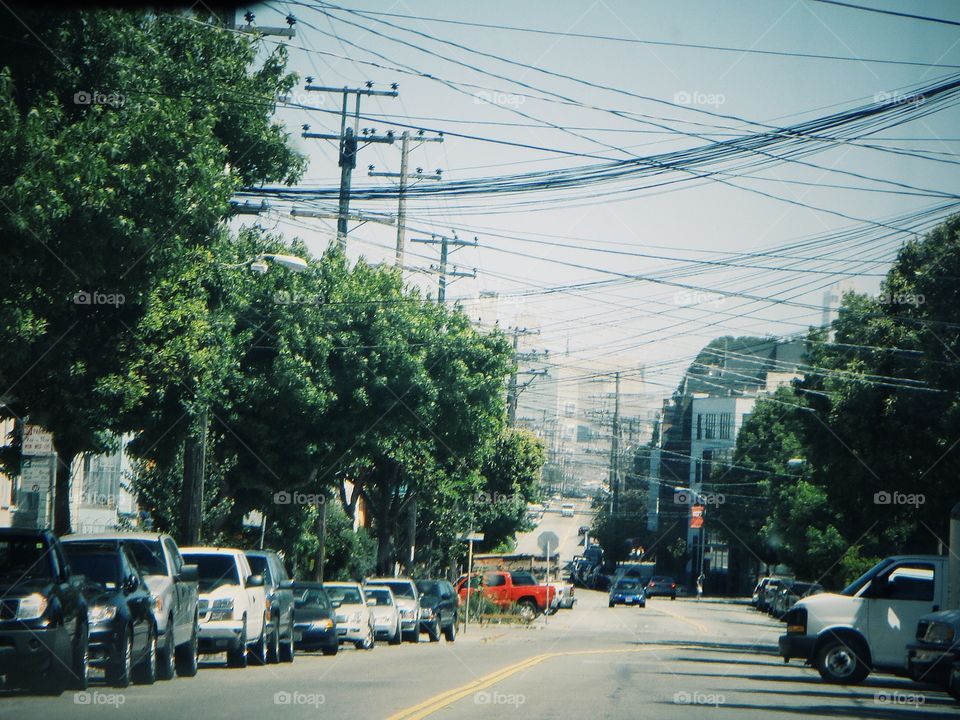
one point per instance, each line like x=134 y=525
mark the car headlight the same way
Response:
x=426 y=613
x=31 y=607
x=102 y=613
x=939 y=633
x=325 y=624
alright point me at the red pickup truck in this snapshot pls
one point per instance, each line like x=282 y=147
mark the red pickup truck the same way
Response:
x=511 y=588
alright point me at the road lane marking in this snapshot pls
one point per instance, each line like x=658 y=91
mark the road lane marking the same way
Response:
x=445 y=699
x=698 y=626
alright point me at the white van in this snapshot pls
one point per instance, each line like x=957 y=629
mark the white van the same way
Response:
x=866 y=626
x=566 y=510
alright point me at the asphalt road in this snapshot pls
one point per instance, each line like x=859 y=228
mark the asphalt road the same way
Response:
x=565 y=528
x=679 y=659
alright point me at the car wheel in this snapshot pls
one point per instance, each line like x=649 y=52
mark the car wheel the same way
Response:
x=165 y=655
x=450 y=632
x=397 y=636
x=287 y=650
x=433 y=632
x=331 y=650
x=146 y=670
x=237 y=656
x=413 y=636
x=842 y=660
x=78 y=676
x=528 y=611
x=120 y=670
x=273 y=644
x=610 y=604
x=187 y=655
x=259 y=650
x=673 y=597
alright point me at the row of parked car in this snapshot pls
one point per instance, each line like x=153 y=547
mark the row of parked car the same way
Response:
x=892 y=619
x=142 y=609
x=776 y=595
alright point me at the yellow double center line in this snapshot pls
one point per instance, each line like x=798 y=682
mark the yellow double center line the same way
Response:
x=438 y=702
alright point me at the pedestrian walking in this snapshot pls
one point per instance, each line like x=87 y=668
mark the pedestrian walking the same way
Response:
x=700 y=586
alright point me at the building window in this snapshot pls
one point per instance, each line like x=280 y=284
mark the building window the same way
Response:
x=710 y=427
x=699 y=427
x=101 y=480
x=726 y=426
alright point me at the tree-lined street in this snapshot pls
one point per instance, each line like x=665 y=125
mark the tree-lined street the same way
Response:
x=672 y=660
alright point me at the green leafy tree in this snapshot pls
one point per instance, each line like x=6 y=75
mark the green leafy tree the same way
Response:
x=124 y=137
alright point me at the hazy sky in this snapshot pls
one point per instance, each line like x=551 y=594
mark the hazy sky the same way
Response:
x=532 y=242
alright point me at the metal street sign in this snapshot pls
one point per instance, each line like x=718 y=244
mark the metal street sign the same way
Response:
x=37 y=441
x=472 y=537
x=547 y=540
x=696 y=516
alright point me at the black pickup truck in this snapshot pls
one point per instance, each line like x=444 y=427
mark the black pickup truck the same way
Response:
x=44 y=634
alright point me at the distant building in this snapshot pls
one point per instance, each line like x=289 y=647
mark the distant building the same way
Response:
x=698 y=434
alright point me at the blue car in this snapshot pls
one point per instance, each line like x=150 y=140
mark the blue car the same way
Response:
x=628 y=592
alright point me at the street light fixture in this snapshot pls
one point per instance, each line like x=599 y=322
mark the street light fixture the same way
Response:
x=259 y=263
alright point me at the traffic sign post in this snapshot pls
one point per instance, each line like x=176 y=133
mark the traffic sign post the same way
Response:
x=545 y=541
x=471 y=538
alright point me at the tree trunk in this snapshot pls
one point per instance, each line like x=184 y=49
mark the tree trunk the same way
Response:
x=61 y=491
x=191 y=499
x=322 y=538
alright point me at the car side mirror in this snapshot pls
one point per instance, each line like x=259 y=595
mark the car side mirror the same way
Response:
x=336 y=603
x=255 y=581
x=131 y=584
x=188 y=573
x=286 y=585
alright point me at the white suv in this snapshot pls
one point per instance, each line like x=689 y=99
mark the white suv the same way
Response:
x=233 y=607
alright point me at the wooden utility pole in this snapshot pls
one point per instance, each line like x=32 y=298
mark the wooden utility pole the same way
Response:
x=445 y=243
x=404 y=175
x=350 y=143
x=615 y=452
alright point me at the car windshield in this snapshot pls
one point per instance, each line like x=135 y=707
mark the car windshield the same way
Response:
x=344 y=594
x=310 y=597
x=23 y=557
x=401 y=589
x=100 y=567
x=382 y=597
x=428 y=587
x=627 y=585
x=149 y=556
x=213 y=570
